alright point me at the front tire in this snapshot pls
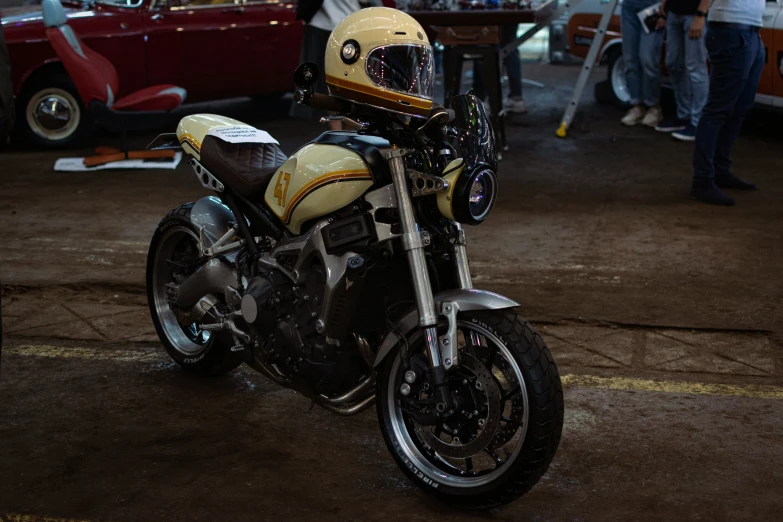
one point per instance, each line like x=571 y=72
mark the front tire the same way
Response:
x=522 y=387
x=174 y=246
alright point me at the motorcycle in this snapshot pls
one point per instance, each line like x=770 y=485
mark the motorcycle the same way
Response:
x=341 y=272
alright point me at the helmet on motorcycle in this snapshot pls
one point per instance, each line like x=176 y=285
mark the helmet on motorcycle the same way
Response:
x=381 y=57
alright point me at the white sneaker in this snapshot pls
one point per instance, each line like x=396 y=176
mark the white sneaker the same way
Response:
x=653 y=117
x=515 y=106
x=633 y=116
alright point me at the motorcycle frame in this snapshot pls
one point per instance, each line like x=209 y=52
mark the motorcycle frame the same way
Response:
x=220 y=221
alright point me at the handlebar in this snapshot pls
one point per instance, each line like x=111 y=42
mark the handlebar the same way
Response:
x=347 y=122
x=323 y=102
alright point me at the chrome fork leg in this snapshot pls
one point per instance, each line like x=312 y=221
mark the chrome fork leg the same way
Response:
x=413 y=242
x=460 y=254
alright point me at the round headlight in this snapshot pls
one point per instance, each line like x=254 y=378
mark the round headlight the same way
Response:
x=474 y=195
x=482 y=193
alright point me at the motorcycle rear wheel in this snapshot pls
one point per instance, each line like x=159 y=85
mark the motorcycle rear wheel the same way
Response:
x=203 y=353
x=516 y=391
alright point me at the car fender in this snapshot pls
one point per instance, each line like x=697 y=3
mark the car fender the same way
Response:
x=466 y=300
x=607 y=46
x=32 y=70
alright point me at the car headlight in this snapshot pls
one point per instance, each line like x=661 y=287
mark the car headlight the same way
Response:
x=471 y=194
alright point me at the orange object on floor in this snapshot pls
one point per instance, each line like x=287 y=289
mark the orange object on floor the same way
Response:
x=102 y=159
x=102 y=151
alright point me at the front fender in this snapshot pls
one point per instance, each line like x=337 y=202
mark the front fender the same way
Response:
x=466 y=300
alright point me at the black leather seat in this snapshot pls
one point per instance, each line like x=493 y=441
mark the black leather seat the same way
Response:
x=245 y=167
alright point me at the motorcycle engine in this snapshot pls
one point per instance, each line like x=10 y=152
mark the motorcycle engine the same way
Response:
x=284 y=319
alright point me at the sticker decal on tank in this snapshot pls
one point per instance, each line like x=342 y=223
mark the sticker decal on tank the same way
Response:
x=326 y=179
x=281 y=190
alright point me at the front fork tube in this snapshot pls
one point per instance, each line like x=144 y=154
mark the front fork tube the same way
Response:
x=460 y=254
x=413 y=242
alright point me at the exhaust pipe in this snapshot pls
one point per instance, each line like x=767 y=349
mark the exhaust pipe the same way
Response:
x=347 y=411
x=358 y=392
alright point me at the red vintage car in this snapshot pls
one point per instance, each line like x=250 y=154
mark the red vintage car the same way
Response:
x=212 y=48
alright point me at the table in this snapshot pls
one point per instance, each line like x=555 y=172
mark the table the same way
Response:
x=541 y=13
x=530 y=15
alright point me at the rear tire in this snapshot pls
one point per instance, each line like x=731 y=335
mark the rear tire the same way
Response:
x=51 y=114
x=193 y=351
x=538 y=435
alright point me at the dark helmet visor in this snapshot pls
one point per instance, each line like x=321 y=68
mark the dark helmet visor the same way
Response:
x=403 y=68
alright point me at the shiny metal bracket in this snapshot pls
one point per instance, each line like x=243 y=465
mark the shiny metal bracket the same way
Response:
x=448 y=343
x=415 y=240
x=206 y=178
x=426 y=184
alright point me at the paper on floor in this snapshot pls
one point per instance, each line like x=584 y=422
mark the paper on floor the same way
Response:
x=77 y=164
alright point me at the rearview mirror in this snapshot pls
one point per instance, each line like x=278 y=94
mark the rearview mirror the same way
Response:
x=306 y=75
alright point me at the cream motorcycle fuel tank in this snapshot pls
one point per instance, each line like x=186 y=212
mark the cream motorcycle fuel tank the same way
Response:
x=316 y=180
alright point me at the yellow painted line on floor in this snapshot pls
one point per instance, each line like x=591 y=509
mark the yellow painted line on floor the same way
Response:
x=13 y=517
x=759 y=391
x=99 y=354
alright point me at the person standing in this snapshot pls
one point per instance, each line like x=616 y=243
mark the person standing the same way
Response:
x=513 y=103
x=686 y=61
x=320 y=17
x=642 y=57
x=737 y=58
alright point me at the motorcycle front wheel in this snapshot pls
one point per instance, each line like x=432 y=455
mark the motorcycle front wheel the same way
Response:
x=507 y=424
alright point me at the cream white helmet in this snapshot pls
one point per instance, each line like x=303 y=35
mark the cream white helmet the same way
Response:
x=381 y=57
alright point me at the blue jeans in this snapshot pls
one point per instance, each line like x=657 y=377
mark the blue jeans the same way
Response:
x=686 y=60
x=737 y=59
x=641 y=54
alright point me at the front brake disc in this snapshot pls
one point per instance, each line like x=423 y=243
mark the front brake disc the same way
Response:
x=485 y=391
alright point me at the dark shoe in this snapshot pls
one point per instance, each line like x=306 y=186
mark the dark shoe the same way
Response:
x=730 y=181
x=709 y=193
x=671 y=125
x=686 y=134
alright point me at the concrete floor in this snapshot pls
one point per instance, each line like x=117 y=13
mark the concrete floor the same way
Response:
x=664 y=316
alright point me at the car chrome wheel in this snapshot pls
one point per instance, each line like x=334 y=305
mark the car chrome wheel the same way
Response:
x=53 y=114
x=619 y=84
x=479 y=442
x=176 y=256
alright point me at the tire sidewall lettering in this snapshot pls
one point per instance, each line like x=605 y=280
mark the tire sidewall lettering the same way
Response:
x=410 y=465
x=489 y=329
x=194 y=360
x=167 y=225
